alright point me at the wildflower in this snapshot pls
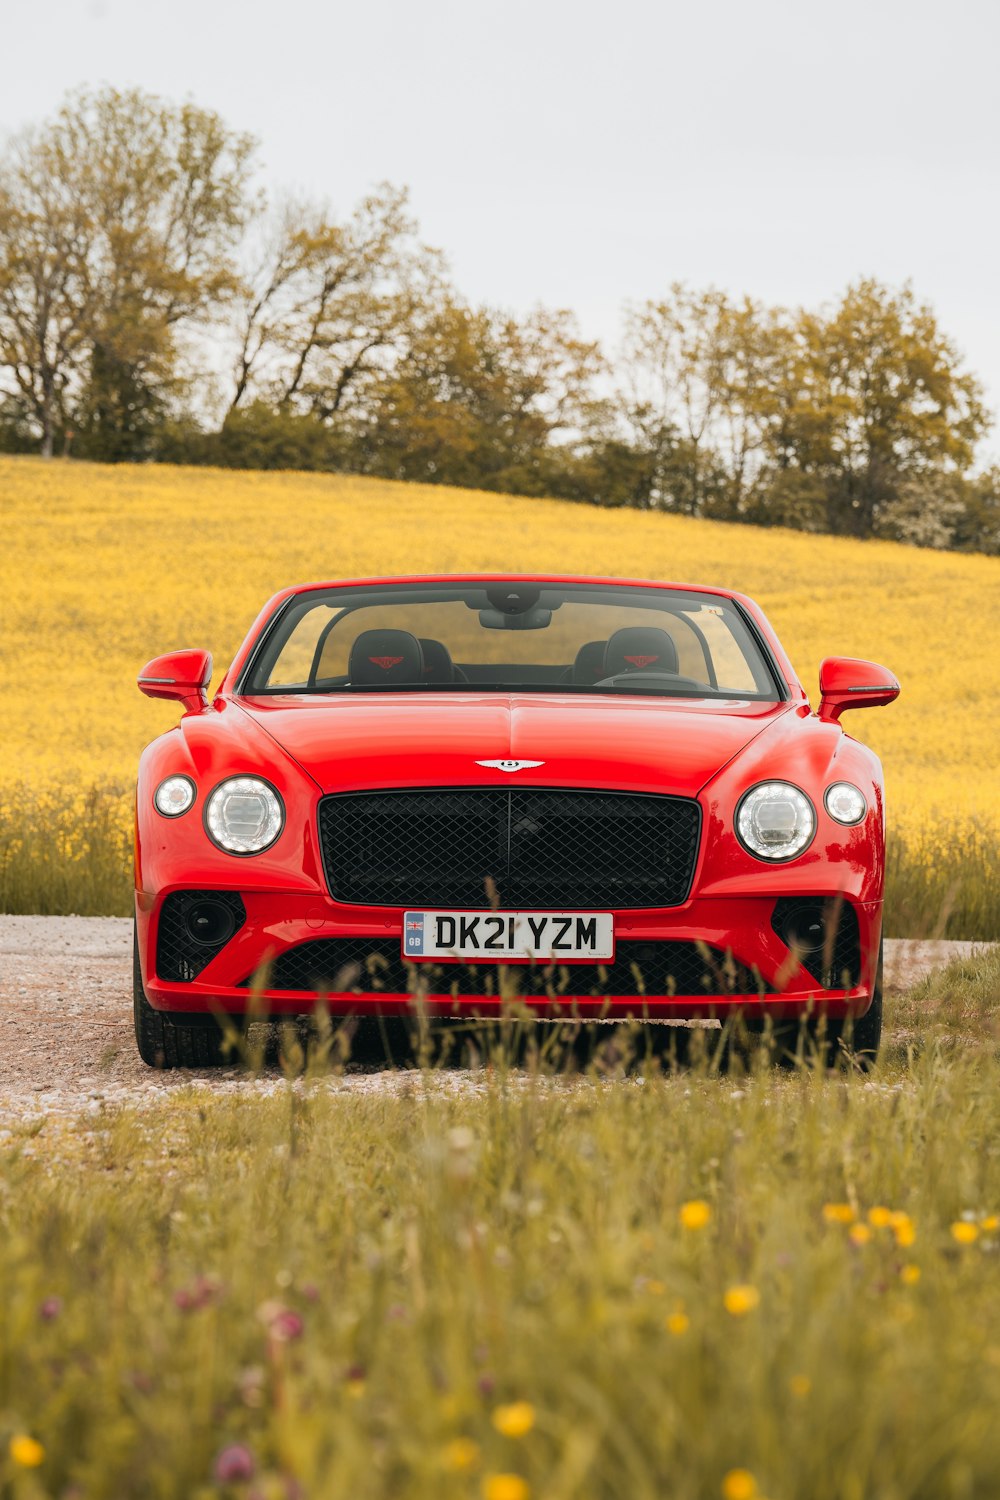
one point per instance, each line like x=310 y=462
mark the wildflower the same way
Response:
x=964 y=1232
x=286 y=1326
x=50 y=1309
x=909 y=1275
x=859 y=1234
x=739 y=1484
x=233 y=1464
x=800 y=1385
x=838 y=1213
x=505 y=1487
x=991 y=1222
x=904 y=1229
x=514 y=1420
x=460 y=1455
x=677 y=1323
x=695 y=1214
x=656 y=1288
x=740 y=1300
x=26 y=1451
x=880 y=1217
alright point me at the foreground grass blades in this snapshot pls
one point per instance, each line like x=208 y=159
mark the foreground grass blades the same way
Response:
x=515 y=1284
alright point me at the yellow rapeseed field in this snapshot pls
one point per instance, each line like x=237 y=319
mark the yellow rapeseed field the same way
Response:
x=104 y=567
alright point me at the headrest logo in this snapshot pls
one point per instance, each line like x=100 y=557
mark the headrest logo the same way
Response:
x=641 y=661
x=385 y=662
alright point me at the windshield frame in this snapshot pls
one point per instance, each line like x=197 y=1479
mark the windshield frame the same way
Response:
x=244 y=686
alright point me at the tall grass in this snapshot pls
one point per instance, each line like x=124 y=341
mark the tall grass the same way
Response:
x=70 y=852
x=509 y=1285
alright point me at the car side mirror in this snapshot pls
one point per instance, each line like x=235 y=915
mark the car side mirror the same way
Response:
x=182 y=675
x=845 y=682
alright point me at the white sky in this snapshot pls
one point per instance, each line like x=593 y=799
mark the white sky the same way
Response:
x=584 y=154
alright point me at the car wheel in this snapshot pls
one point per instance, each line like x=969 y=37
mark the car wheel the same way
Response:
x=165 y=1043
x=856 y=1040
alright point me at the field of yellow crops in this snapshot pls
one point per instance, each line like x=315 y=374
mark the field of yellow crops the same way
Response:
x=102 y=568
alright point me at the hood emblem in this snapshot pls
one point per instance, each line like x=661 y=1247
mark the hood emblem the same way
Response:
x=509 y=765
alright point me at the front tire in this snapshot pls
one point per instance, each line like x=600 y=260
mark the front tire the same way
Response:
x=166 y=1043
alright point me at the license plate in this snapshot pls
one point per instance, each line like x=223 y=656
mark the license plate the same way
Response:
x=548 y=936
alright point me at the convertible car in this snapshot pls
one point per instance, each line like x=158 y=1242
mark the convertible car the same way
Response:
x=601 y=798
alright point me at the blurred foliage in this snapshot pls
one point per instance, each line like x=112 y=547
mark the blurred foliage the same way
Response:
x=410 y=1283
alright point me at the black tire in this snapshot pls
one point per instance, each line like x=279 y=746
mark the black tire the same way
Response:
x=856 y=1040
x=164 y=1042
x=851 y=1042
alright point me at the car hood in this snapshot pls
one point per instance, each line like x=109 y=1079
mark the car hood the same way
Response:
x=440 y=739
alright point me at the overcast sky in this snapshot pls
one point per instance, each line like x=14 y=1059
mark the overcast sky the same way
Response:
x=583 y=154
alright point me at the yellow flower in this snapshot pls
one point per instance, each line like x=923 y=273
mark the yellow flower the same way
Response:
x=460 y=1454
x=880 y=1217
x=514 y=1420
x=739 y=1484
x=26 y=1451
x=740 y=1300
x=800 y=1385
x=991 y=1222
x=695 y=1214
x=505 y=1487
x=838 y=1213
x=355 y=1389
x=909 y=1275
x=859 y=1234
x=904 y=1229
x=656 y=1288
x=964 y=1232
x=677 y=1323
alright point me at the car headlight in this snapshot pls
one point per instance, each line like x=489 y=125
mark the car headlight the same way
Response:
x=244 y=815
x=845 y=802
x=775 y=820
x=174 y=796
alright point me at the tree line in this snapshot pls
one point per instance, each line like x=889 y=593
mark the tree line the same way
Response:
x=153 y=305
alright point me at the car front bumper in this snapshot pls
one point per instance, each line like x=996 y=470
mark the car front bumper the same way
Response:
x=747 y=965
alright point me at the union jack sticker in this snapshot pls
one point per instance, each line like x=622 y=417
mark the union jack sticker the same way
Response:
x=413 y=934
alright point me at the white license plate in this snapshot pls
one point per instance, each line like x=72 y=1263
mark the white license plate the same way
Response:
x=488 y=935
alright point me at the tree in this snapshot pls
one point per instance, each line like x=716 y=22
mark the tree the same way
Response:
x=481 y=398
x=118 y=222
x=882 y=399
x=330 y=304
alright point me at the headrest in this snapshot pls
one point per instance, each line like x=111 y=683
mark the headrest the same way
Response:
x=438 y=665
x=640 y=648
x=383 y=657
x=589 y=665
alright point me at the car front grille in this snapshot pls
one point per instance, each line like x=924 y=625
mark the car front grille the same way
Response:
x=180 y=953
x=373 y=966
x=521 y=848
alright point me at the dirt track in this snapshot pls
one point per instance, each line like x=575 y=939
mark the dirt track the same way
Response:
x=66 y=1039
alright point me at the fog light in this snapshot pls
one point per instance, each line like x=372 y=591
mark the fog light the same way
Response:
x=210 y=923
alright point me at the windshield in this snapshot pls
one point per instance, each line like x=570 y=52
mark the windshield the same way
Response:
x=504 y=637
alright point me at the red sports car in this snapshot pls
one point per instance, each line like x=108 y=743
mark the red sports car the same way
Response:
x=616 y=790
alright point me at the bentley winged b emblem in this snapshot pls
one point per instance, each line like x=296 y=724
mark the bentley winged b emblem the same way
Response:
x=510 y=765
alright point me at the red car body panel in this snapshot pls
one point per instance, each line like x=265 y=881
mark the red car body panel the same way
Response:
x=705 y=749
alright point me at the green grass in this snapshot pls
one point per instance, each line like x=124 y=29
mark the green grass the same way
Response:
x=451 y=1249
x=57 y=859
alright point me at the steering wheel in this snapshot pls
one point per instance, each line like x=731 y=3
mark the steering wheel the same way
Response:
x=662 y=679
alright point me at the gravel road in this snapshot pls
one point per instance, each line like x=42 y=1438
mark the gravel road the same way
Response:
x=66 y=1040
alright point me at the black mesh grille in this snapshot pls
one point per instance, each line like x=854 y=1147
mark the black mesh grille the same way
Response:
x=180 y=956
x=540 y=848
x=825 y=935
x=370 y=966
